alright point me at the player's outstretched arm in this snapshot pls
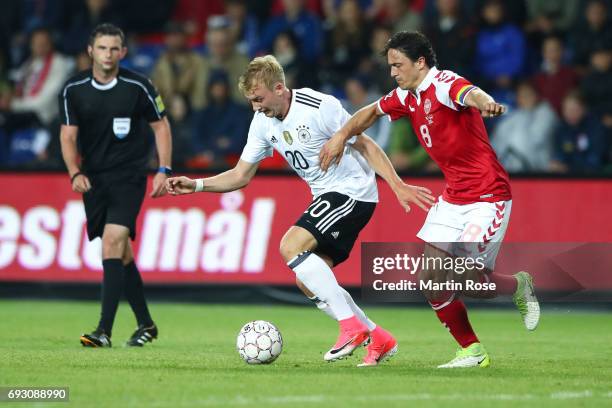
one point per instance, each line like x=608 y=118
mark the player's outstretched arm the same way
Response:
x=230 y=180
x=485 y=103
x=362 y=119
x=380 y=163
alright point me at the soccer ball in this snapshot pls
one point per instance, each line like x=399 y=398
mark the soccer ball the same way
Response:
x=259 y=342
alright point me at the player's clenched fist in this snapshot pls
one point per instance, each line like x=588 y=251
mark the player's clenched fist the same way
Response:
x=180 y=185
x=492 y=109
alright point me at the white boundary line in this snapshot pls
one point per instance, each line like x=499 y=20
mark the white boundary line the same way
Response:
x=329 y=399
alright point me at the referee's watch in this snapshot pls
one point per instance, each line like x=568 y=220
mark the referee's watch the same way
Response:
x=166 y=170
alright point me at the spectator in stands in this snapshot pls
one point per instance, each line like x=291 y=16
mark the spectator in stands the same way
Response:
x=305 y=25
x=244 y=27
x=80 y=18
x=179 y=74
x=554 y=78
x=220 y=130
x=277 y=7
x=597 y=85
x=146 y=16
x=40 y=78
x=261 y=9
x=10 y=26
x=345 y=44
x=523 y=138
x=579 y=143
x=452 y=36
x=401 y=17
x=516 y=11
x=597 y=90
x=83 y=61
x=375 y=66
x=298 y=74
x=194 y=15
x=222 y=54
x=500 y=50
x=40 y=13
x=595 y=34
x=23 y=139
x=549 y=16
x=358 y=95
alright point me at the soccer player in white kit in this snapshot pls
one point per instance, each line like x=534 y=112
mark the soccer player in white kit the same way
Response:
x=297 y=123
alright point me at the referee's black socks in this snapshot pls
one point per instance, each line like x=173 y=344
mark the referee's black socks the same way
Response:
x=134 y=292
x=112 y=286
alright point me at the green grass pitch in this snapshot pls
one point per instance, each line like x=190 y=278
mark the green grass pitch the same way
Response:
x=566 y=362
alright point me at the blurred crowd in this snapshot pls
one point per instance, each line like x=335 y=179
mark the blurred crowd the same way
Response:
x=549 y=61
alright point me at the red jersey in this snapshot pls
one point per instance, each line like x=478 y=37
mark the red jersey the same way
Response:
x=454 y=135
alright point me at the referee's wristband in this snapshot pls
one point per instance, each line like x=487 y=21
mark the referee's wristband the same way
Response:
x=199 y=185
x=75 y=175
x=166 y=170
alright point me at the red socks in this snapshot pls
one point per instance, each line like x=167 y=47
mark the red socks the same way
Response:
x=454 y=316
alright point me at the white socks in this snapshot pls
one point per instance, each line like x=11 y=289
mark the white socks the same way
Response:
x=324 y=307
x=357 y=310
x=314 y=273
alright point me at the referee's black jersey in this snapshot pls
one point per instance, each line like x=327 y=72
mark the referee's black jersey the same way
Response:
x=112 y=119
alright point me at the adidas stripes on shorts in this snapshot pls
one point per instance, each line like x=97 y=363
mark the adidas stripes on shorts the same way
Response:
x=335 y=221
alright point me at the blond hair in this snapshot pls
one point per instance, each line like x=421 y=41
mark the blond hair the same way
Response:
x=265 y=70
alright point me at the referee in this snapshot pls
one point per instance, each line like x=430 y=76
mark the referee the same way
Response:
x=104 y=113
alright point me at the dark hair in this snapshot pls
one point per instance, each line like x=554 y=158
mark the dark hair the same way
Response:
x=576 y=95
x=414 y=45
x=106 y=29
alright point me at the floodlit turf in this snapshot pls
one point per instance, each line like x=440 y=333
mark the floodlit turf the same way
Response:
x=566 y=362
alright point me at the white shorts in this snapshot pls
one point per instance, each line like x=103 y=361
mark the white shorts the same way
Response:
x=482 y=225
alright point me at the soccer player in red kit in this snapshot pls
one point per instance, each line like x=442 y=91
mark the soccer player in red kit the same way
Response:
x=445 y=111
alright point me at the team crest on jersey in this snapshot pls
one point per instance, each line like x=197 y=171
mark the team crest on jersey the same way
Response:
x=288 y=137
x=303 y=133
x=427 y=106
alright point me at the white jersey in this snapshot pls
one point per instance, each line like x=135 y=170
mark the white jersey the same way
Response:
x=312 y=119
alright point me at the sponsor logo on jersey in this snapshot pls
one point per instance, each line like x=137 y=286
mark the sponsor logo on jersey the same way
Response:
x=427 y=106
x=288 y=137
x=274 y=139
x=303 y=134
x=335 y=234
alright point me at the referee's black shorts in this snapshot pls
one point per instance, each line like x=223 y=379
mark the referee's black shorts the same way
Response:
x=335 y=221
x=115 y=198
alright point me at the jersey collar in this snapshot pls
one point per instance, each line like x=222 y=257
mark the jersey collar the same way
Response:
x=291 y=105
x=103 y=87
x=433 y=71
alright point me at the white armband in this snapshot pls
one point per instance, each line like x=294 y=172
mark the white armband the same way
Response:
x=199 y=185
